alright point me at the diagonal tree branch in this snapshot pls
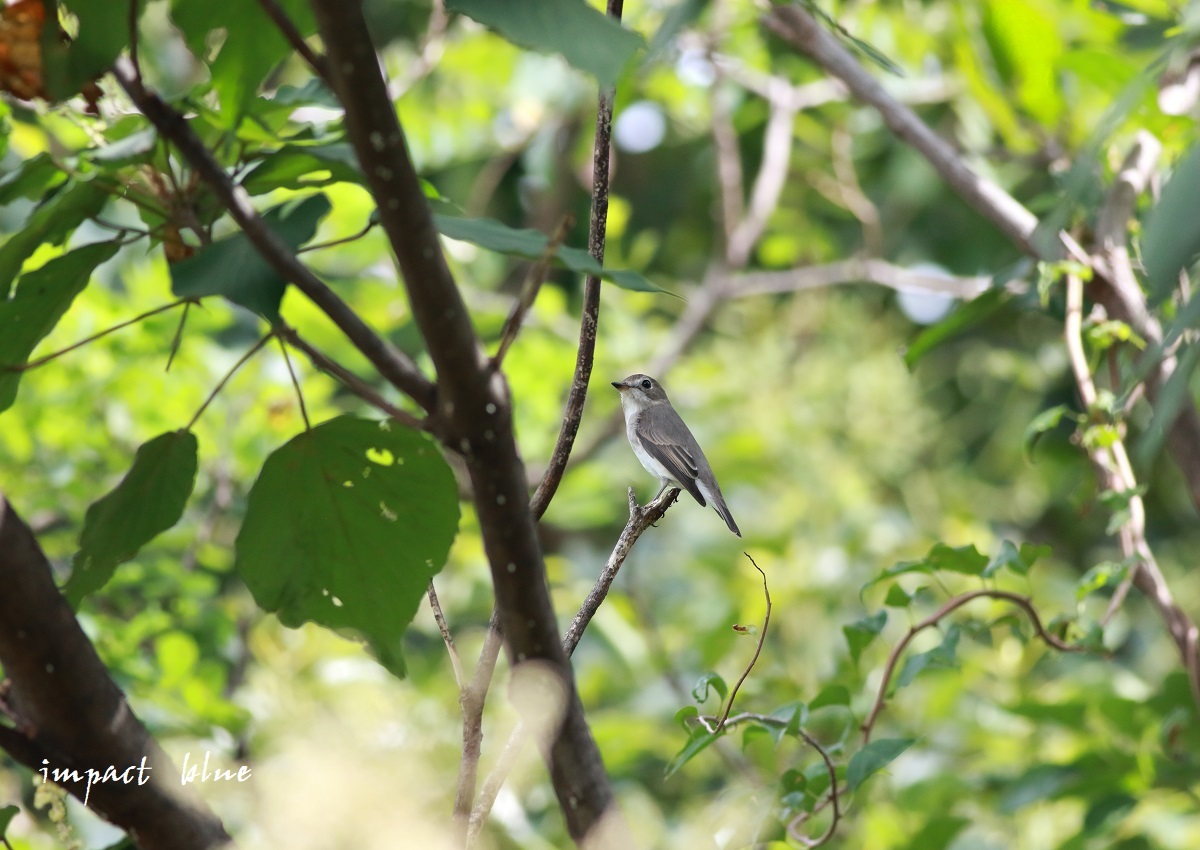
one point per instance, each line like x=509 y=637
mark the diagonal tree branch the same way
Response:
x=69 y=714
x=597 y=232
x=473 y=413
x=392 y=364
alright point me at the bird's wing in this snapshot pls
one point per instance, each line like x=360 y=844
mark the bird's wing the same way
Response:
x=681 y=459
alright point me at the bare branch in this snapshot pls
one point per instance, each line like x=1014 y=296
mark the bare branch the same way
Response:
x=640 y=518
x=473 y=413
x=533 y=282
x=762 y=636
x=68 y=712
x=597 y=233
x=472 y=699
x=936 y=617
x=286 y=26
x=797 y=27
x=392 y=364
x=447 y=638
x=858 y=270
x=350 y=380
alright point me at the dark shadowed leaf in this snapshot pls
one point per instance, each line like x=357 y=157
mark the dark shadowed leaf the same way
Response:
x=531 y=244
x=41 y=299
x=1171 y=238
x=583 y=35
x=149 y=500
x=6 y=815
x=1045 y=421
x=100 y=36
x=346 y=525
x=937 y=833
x=963 y=319
x=874 y=757
x=233 y=267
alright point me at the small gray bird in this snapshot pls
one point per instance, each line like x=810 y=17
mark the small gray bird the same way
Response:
x=665 y=446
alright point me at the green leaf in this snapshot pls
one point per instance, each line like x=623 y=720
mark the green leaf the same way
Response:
x=831 y=695
x=897 y=597
x=1104 y=574
x=41 y=299
x=1038 y=783
x=699 y=742
x=938 y=832
x=860 y=633
x=531 y=244
x=50 y=224
x=678 y=16
x=1017 y=560
x=101 y=36
x=252 y=46
x=345 y=526
x=1045 y=421
x=688 y=712
x=586 y=37
x=31 y=180
x=713 y=680
x=1171 y=237
x=304 y=167
x=6 y=815
x=944 y=656
x=957 y=559
x=148 y=500
x=1170 y=399
x=963 y=319
x=872 y=758
x=233 y=267
x=134 y=148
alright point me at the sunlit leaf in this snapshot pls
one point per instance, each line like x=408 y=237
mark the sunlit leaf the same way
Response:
x=345 y=526
x=148 y=500
x=41 y=299
x=699 y=742
x=583 y=35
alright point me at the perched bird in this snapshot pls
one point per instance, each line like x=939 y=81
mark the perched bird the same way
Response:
x=665 y=446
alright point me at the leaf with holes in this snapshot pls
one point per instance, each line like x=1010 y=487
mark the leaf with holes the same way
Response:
x=149 y=500
x=42 y=298
x=345 y=526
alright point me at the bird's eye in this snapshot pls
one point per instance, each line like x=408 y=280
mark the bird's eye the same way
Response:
x=645 y=383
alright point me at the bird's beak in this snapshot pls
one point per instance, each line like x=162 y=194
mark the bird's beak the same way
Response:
x=619 y=386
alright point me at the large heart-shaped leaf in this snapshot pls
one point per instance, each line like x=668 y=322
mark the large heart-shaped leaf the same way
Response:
x=346 y=525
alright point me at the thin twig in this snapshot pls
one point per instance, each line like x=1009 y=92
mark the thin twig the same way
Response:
x=936 y=617
x=589 y=322
x=177 y=340
x=350 y=380
x=533 y=282
x=286 y=26
x=319 y=246
x=133 y=38
x=228 y=375
x=295 y=383
x=762 y=636
x=473 y=699
x=447 y=638
x=41 y=361
x=640 y=518
x=795 y=823
x=396 y=367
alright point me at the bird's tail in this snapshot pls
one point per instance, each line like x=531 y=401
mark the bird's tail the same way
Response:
x=723 y=512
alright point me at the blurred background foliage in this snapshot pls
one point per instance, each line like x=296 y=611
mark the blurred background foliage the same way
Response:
x=837 y=460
